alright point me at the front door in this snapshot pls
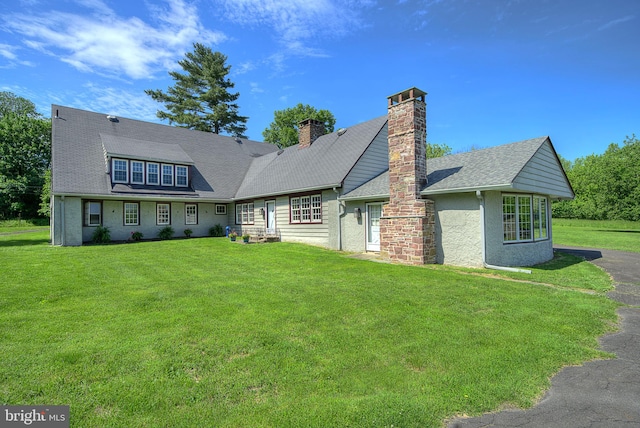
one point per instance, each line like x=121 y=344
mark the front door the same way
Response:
x=271 y=217
x=374 y=211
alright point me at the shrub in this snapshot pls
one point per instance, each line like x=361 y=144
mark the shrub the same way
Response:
x=136 y=236
x=166 y=232
x=188 y=232
x=101 y=235
x=216 y=231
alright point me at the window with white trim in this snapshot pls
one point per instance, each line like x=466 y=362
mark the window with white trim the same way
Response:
x=120 y=171
x=244 y=213
x=167 y=175
x=182 y=176
x=191 y=214
x=137 y=172
x=153 y=173
x=131 y=214
x=524 y=218
x=221 y=209
x=92 y=213
x=306 y=209
x=163 y=214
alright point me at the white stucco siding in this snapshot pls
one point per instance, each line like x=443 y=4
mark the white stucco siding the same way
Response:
x=354 y=229
x=66 y=221
x=373 y=161
x=512 y=254
x=543 y=174
x=458 y=230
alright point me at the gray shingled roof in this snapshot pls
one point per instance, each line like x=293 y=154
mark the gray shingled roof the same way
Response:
x=79 y=163
x=324 y=164
x=492 y=168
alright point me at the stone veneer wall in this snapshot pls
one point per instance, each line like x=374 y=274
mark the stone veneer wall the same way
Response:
x=407 y=226
x=309 y=130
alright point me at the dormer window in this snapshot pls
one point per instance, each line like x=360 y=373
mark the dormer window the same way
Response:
x=153 y=174
x=120 y=171
x=182 y=179
x=167 y=175
x=137 y=172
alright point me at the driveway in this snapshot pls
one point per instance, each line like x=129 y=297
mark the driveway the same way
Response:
x=597 y=394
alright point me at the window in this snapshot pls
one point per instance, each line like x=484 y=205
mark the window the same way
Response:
x=92 y=213
x=167 y=175
x=120 y=171
x=153 y=173
x=244 y=213
x=137 y=172
x=131 y=214
x=191 y=214
x=306 y=209
x=182 y=178
x=524 y=218
x=163 y=214
x=221 y=209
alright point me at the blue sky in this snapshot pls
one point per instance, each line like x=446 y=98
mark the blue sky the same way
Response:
x=495 y=71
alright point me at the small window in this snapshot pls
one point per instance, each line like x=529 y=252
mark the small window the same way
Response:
x=131 y=214
x=221 y=209
x=93 y=213
x=137 y=172
x=153 y=174
x=167 y=175
x=120 y=171
x=191 y=214
x=163 y=214
x=524 y=218
x=182 y=176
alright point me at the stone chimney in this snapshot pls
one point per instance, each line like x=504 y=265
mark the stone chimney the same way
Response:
x=308 y=131
x=407 y=226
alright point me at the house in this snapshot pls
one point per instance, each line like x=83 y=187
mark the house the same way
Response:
x=363 y=188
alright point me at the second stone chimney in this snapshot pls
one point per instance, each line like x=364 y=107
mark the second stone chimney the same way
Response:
x=308 y=131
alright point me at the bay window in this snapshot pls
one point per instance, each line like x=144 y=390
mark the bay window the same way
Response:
x=524 y=218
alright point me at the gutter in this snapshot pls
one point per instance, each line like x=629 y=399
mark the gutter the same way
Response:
x=484 y=242
x=64 y=232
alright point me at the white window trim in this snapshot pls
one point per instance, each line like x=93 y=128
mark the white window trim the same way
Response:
x=221 y=209
x=149 y=164
x=306 y=209
x=162 y=174
x=245 y=213
x=133 y=162
x=158 y=214
x=137 y=222
x=113 y=170
x=186 y=175
x=87 y=213
x=532 y=199
x=187 y=216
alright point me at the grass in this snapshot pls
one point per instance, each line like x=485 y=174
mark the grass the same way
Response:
x=203 y=332
x=608 y=234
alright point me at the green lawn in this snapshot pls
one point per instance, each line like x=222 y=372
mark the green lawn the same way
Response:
x=608 y=234
x=204 y=332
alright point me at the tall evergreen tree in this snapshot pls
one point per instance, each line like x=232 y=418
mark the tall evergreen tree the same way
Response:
x=200 y=98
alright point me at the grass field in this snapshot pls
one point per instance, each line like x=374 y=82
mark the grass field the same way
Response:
x=203 y=332
x=607 y=234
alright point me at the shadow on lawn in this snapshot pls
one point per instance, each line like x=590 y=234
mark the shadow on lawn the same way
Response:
x=23 y=242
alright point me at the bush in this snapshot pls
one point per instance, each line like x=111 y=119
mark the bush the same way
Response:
x=166 y=232
x=188 y=232
x=101 y=235
x=216 y=231
x=136 y=236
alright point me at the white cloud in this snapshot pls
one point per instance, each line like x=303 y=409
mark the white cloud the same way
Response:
x=107 y=44
x=615 y=22
x=9 y=53
x=255 y=88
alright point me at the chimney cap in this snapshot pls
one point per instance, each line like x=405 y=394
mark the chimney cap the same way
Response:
x=407 y=94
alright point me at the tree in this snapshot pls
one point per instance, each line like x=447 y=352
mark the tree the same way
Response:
x=11 y=103
x=435 y=150
x=200 y=99
x=25 y=155
x=283 y=131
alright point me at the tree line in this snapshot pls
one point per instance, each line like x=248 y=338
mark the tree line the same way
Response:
x=607 y=186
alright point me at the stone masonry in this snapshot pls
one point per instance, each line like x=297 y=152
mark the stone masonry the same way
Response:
x=407 y=225
x=308 y=131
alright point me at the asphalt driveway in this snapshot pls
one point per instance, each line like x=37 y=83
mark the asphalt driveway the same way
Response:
x=597 y=394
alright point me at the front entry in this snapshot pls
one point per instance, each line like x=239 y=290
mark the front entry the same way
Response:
x=270 y=221
x=374 y=211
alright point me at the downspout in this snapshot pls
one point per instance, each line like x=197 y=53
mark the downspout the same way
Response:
x=483 y=238
x=339 y=221
x=62 y=230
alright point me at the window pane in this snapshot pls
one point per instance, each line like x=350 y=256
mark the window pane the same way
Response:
x=250 y=208
x=509 y=218
x=305 y=208
x=524 y=217
x=167 y=175
x=239 y=214
x=162 y=216
x=316 y=207
x=181 y=176
x=295 y=210
x=544 y=233
x=152 y=173
x=191 y=214
x=120 y=171
x=137 y=172
x=92 y=213
x=130 y=214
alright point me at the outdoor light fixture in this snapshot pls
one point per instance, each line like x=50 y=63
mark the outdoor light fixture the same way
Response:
x=357 y=213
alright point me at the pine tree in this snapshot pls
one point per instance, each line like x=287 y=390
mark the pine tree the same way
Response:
x=200 y=98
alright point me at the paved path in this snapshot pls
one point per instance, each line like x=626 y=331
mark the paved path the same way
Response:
x=598 y=394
